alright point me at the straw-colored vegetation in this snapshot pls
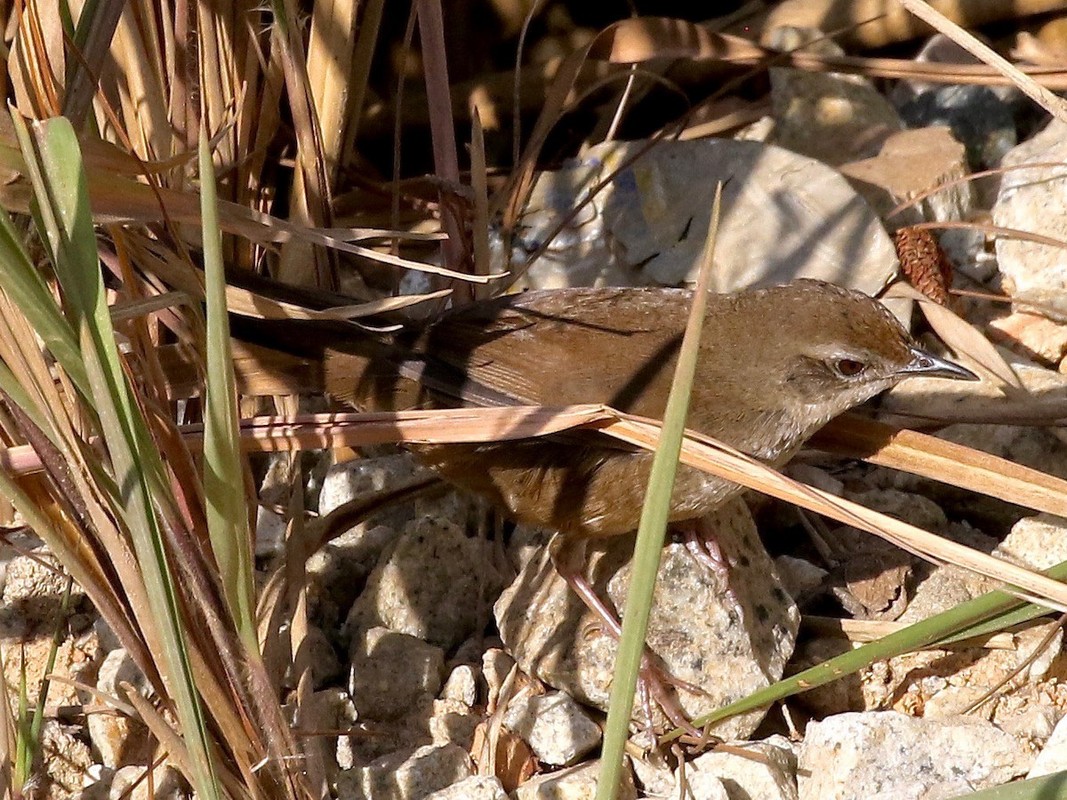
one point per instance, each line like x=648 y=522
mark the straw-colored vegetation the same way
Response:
x=121 y=249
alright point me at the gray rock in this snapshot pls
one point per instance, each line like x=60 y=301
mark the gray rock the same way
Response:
x=573 y=783
x=784 y=216
x=453 y=722
x=360 y=477
x=556 y=728
x=725 y=650
x=131 y=783
x=406 y=775
x=270 y=533
x=830 y=117
x=477 y=787
x=390 y=671
x=977 y=116
x=1053 y=756
x=461 y=685
x=118 y=739
x=435 y=583
x=1034 y=200
x=891 y=755
x=760 y=771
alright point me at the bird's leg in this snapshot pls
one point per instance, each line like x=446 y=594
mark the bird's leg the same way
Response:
x=568 y=556
x=700 y=541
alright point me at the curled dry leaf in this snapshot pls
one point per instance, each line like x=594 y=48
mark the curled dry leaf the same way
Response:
x=962 y=337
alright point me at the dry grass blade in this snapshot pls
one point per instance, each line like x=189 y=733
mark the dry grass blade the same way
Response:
x=1027 y=85
x=718 y=459
x=955 y=464
x=962 y=337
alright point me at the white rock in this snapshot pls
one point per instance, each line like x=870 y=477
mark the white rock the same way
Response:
x=131 y=783
x=477 y=787
x=390 y=671
x=435 y=583
x=361 y=477
x=496 y=665
x=891 y=755
x=738 y=642
x=406 y=775
x=461 y=685
x=1036 y=542
x=556 y=728
x=1034 y=200
x=1053 y=756
x=784 y=216
x=573 y=783
x=768 y=771
x=270 y=533
x=118 y=739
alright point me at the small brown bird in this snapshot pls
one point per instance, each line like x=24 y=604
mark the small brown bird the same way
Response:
x=774 y=366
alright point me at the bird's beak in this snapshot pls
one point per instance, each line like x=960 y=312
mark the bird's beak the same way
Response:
x=930 y=366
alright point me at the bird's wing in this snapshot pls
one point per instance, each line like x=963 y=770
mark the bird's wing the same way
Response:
x=558 y=348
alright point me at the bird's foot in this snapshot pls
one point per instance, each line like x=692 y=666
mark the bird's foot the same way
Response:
x=704 y=548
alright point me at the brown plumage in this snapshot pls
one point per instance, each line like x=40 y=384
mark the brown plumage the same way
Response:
x=775 y=365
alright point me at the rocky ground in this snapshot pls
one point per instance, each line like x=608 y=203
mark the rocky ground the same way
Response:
x=452 y=661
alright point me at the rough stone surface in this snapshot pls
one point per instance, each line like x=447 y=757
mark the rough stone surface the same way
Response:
x=830 y=117
x=496 y=665
x=1031 y=334
x=728 y=650
x=1037 y=542
x=784 y=216
x=453 y=722
x=435 y=583
x=1034 y=200
x=270 y=533
x=65 y=759
x=406 y=775
x=461 y=685
x=761 y=771
x=391 y=670
x=118 y=739
x=360 y=477
x=1053 y=756
x=891 y=755
x=911 y=163
x=556 y=728
x=131 y=783
x=326 y=710
x=477 y=787
x=573 y=783
x=337 y=573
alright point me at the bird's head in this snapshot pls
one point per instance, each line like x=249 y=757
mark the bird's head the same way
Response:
x=818 y=351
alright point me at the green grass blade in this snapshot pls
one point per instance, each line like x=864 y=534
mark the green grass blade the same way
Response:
x=650 y=533
x=62 y=203
x=23 y=746
x=25 y=286
x=227 y=507
x=1047 y=787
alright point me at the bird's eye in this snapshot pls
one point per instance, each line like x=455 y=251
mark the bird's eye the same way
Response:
x=849 y=368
